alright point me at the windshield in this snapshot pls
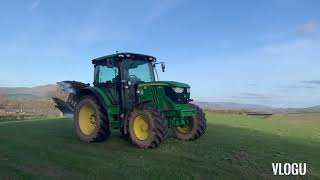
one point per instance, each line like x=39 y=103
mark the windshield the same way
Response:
x=138 y=70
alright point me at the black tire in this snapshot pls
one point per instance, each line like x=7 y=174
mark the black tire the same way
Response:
x=101 y=131
x=199 y=125
x=157 y=123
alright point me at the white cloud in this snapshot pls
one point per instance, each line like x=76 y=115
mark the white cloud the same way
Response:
x=158 y=8
x=35 y=4
x=297 y=48
x=309 y=27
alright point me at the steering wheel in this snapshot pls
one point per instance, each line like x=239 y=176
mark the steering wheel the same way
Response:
x=134 y=79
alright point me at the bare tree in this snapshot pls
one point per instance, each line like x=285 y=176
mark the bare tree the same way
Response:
x=3 y=102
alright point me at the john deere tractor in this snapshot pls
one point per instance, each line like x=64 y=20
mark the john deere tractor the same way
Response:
x=126 y=95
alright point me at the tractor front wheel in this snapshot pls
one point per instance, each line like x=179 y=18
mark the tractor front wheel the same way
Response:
x=196 y=130
x=147 y=127
x=90 y=120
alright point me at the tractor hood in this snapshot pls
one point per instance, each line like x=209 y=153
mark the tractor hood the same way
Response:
x=162 y=93
x=165 y=83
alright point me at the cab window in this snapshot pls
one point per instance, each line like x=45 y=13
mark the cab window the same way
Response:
x=106 y=74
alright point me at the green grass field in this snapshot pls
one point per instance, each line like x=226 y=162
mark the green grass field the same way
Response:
x=234 y=147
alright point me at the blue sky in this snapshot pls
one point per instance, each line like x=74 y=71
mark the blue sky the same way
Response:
x=259 y=52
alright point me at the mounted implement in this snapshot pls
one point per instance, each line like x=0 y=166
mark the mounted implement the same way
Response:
x=126 y=96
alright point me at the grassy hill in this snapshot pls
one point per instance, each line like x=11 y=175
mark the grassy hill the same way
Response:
x=39 y=91
x=228 y=106
x=23 y=98
x=234 y=146
x=35 y=100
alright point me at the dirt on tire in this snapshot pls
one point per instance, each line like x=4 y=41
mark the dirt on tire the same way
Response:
x=158 y=123
x=101 y=131
x=199 y=125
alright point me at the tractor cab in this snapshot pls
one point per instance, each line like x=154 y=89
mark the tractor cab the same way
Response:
x=120 y=74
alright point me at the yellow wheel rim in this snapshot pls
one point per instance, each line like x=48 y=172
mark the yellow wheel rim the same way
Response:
x=184 y=130
x=141 y=128
x=87 y=119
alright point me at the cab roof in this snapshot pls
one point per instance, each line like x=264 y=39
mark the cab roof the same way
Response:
x=124 y=55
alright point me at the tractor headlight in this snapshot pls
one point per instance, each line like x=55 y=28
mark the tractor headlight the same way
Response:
x=188 y=90
x=178 y=89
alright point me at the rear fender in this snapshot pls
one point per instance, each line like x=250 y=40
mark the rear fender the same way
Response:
x=97 y=93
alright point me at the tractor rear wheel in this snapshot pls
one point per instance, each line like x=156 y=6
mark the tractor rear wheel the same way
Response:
x=196 y=130
x=147 y=127
x=90 y=120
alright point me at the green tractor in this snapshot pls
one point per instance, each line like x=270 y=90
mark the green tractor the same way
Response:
x=126 y=95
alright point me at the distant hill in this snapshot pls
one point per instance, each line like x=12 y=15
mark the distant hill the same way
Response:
x=35 y=100
x=39 y=91
x=293 y=110
x=232 y=106
x=218 y=106
x=42 y=94
x=24 y=97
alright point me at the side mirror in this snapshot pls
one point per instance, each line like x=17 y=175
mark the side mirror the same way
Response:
x=163 y=66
